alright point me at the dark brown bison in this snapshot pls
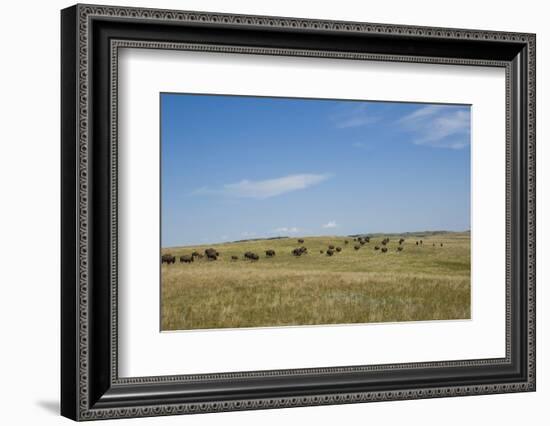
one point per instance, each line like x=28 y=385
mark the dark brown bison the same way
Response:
x=300 y=241
x=401 y=241
x=186 y=258
x=346 y=242
x=441 y=244
x=251 y=256
x=196 y=254
x=211 y=254
x=367 y=239
x=362 y=242
x=400 y=248
x=330 y=252
x=331 y=247
x=321 y=251
x=420 y=242
x=168 y=259
x=377 y=247
x=384 y=249
x=299 y=251
x=270 y=253
x=234 y=257
x=210 y=251
x=338 y=249
x=417 y=243
x=356 y=246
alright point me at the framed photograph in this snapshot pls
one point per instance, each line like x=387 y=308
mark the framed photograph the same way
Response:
x=263 y=212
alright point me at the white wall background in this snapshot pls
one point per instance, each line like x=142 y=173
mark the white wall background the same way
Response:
x=29 y=213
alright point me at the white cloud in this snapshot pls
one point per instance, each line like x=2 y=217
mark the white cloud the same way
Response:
x=330 y=224
x=285 y=230
x=439 y=126
x=357 y=115
x=261 y=189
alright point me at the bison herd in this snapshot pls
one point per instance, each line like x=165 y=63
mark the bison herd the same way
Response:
x=213 y=254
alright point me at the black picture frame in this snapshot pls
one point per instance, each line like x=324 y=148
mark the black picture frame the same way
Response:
x=90 y=386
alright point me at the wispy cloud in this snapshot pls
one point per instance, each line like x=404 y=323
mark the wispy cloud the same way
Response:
x=330 y=224
x=261 y=189
x=248 y=234
x=285 y=230
x=354 y=115
x=440 y=126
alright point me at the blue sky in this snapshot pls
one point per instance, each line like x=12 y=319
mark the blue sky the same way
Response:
x=235 y=167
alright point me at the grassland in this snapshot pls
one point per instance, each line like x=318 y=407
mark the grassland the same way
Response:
x=423 y=282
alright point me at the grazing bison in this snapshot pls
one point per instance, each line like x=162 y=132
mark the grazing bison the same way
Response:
x=417 y=243
x=441 y=244
x=300 y=241
x=321 y=251
x=210 y=251
x=377 y=247
x=367 y=239
x=331 y=247
x=186 y=258
x=251 y=256
x=330 y=252
x=384 y=249
x=356 y=246
x=338 y=249
x=299 y=251
x=400 y=248
x=401 y=241
x=362 y=242
x=420 y=242
x=168 y=259
x=211 y=254
x=346 y=242
x=270 y=253
x=234 y=257
x=196 y=254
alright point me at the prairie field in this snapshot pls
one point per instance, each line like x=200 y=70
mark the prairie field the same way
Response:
x=428 y=281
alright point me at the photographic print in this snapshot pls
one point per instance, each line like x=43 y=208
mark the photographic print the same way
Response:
x=289 y=212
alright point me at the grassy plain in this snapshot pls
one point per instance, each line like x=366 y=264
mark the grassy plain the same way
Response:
x=423 y=282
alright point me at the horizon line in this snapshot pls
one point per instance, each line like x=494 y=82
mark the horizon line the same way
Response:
x=437 y=231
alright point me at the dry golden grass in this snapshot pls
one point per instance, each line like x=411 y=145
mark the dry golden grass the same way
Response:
x=419 y=283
